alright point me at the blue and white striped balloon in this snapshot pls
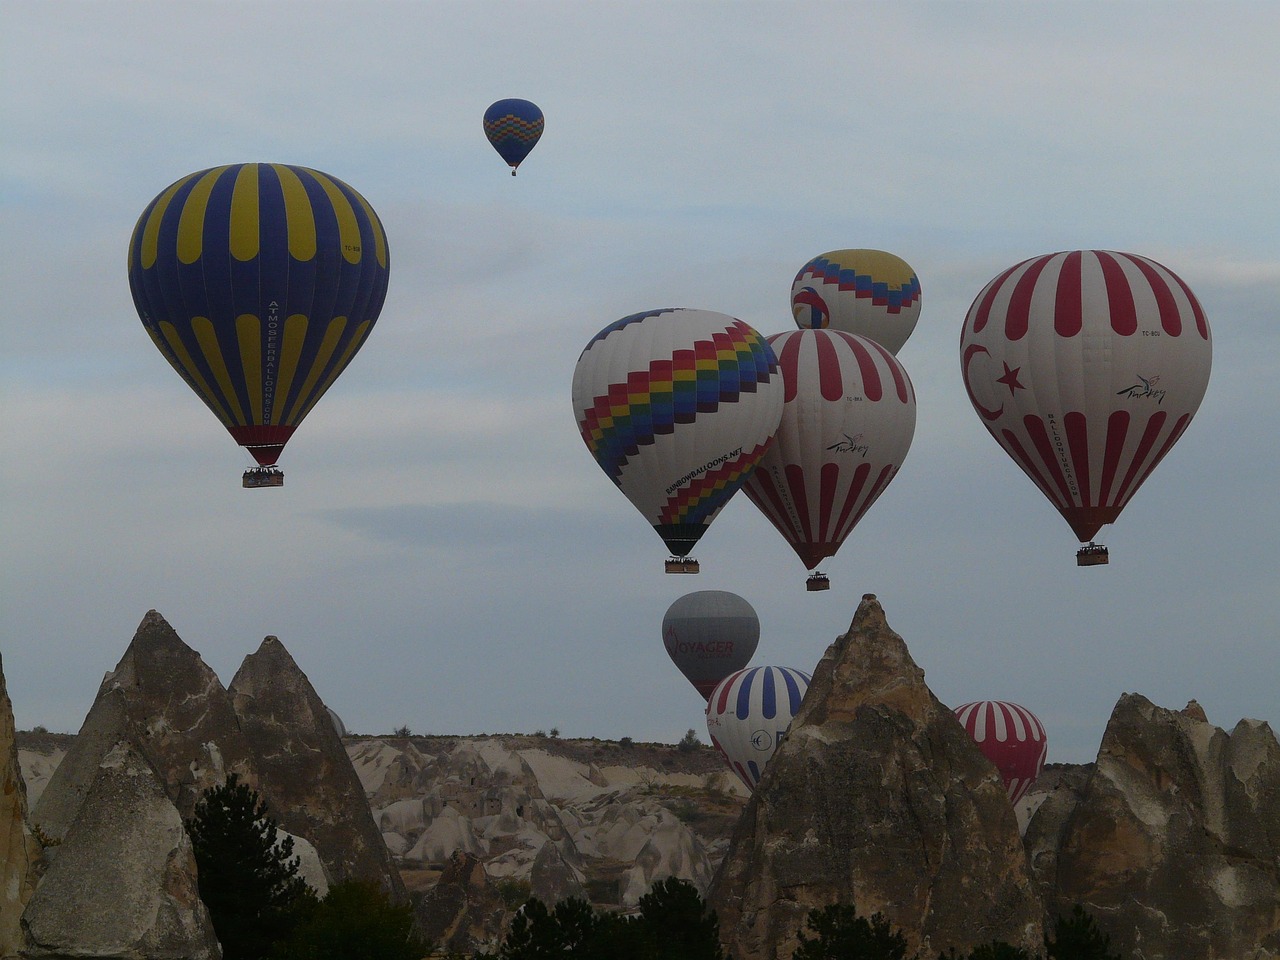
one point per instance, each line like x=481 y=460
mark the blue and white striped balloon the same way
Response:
x=748 y=715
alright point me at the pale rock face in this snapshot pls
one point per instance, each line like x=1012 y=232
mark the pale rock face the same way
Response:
x=1172 y=841
x=463 y=912
x=164 y=699
x=447 y=834
x=553 y=878
x=306 y=777
x=19 y=851
x=127 y=842
x=531 y=815
x=876 y=795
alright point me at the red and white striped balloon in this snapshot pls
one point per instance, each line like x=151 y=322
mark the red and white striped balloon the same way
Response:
x=1086 y=366
x=1011 y=737
x=848 y=416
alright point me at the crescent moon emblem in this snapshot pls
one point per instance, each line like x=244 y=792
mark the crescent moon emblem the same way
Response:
x=973 y=350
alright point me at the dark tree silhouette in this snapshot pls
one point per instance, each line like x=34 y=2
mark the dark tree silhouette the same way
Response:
x=674 y=923
x=843 y=935
x=248 y=875
x=354 y=921
x=1078 y=938
x=677 y=924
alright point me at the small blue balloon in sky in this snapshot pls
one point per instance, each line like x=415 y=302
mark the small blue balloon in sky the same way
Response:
x=513 y=127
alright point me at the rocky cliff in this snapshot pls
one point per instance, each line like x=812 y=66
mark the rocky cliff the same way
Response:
x=19 y=851
x=124 y=881
x=1172 y=839
x=303 y=768
x=544 y=817
x=164 y=699
x=877 y=797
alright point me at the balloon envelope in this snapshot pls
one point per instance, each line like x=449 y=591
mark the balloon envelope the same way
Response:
x=748 y=715
x=1086 y=367
x=513 y=127
x=1011 y=737
x=847 y=423
x=870 y=293
x=709 y=634
x=259 y=282
x=677 y=406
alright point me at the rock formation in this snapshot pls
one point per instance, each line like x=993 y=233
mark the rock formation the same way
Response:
x=19 y=851
x=124 y=882
x=1173 y=840
x=163 y=699
x=304 y=771
x=556 y=817
x=463 y=912
x=877 y=797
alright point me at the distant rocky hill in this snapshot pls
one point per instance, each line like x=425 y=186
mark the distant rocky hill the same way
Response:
x=542 y=816
x=1171 y=839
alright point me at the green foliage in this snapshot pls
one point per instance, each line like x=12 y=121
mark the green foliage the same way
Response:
x=355 y=921
x=248 y=875
x=1078 y=938
x=514 y=892
x=674 y=923
x=403 y=731
x=689 y=742
x=995 y=950
x=843 y=935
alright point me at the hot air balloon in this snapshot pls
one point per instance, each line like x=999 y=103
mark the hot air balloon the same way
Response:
x=513 y=127
x=846 y=427
x=708 y=635
x=259 y=282
x=1086 y=367
x=748 y=715
x=1010 y=737
x=870 y=293
x=677 y=406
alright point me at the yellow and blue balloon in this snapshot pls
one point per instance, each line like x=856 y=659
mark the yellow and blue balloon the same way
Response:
x=259 y=282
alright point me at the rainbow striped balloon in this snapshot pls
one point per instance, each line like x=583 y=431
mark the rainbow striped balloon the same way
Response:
x=869 y=293
x=677 y=406
x=748 y=715
x=1011 y=737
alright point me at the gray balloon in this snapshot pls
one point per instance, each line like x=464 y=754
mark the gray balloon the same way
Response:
x=708 y=635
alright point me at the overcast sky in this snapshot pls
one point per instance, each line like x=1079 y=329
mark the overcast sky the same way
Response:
x=445 y=554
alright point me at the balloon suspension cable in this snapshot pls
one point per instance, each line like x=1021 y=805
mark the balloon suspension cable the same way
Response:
x=682 y=565
x=1092 y=555
x=817 y=581
x=266 y=476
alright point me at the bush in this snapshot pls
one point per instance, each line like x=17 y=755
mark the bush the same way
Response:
x=843 y=935
x=1078 y=938
x=689 y=742
x=674 y=923
x=355 y=920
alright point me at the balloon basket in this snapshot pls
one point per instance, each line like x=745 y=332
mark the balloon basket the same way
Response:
x=682 y=565
x=1092 y=555
x=817 y=581
x=271 y=476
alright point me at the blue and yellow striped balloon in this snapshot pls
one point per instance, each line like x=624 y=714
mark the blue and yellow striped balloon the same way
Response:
x=259 y=282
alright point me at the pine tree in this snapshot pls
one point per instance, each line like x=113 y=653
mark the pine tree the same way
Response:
x=677 y=923
x=248 y=875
